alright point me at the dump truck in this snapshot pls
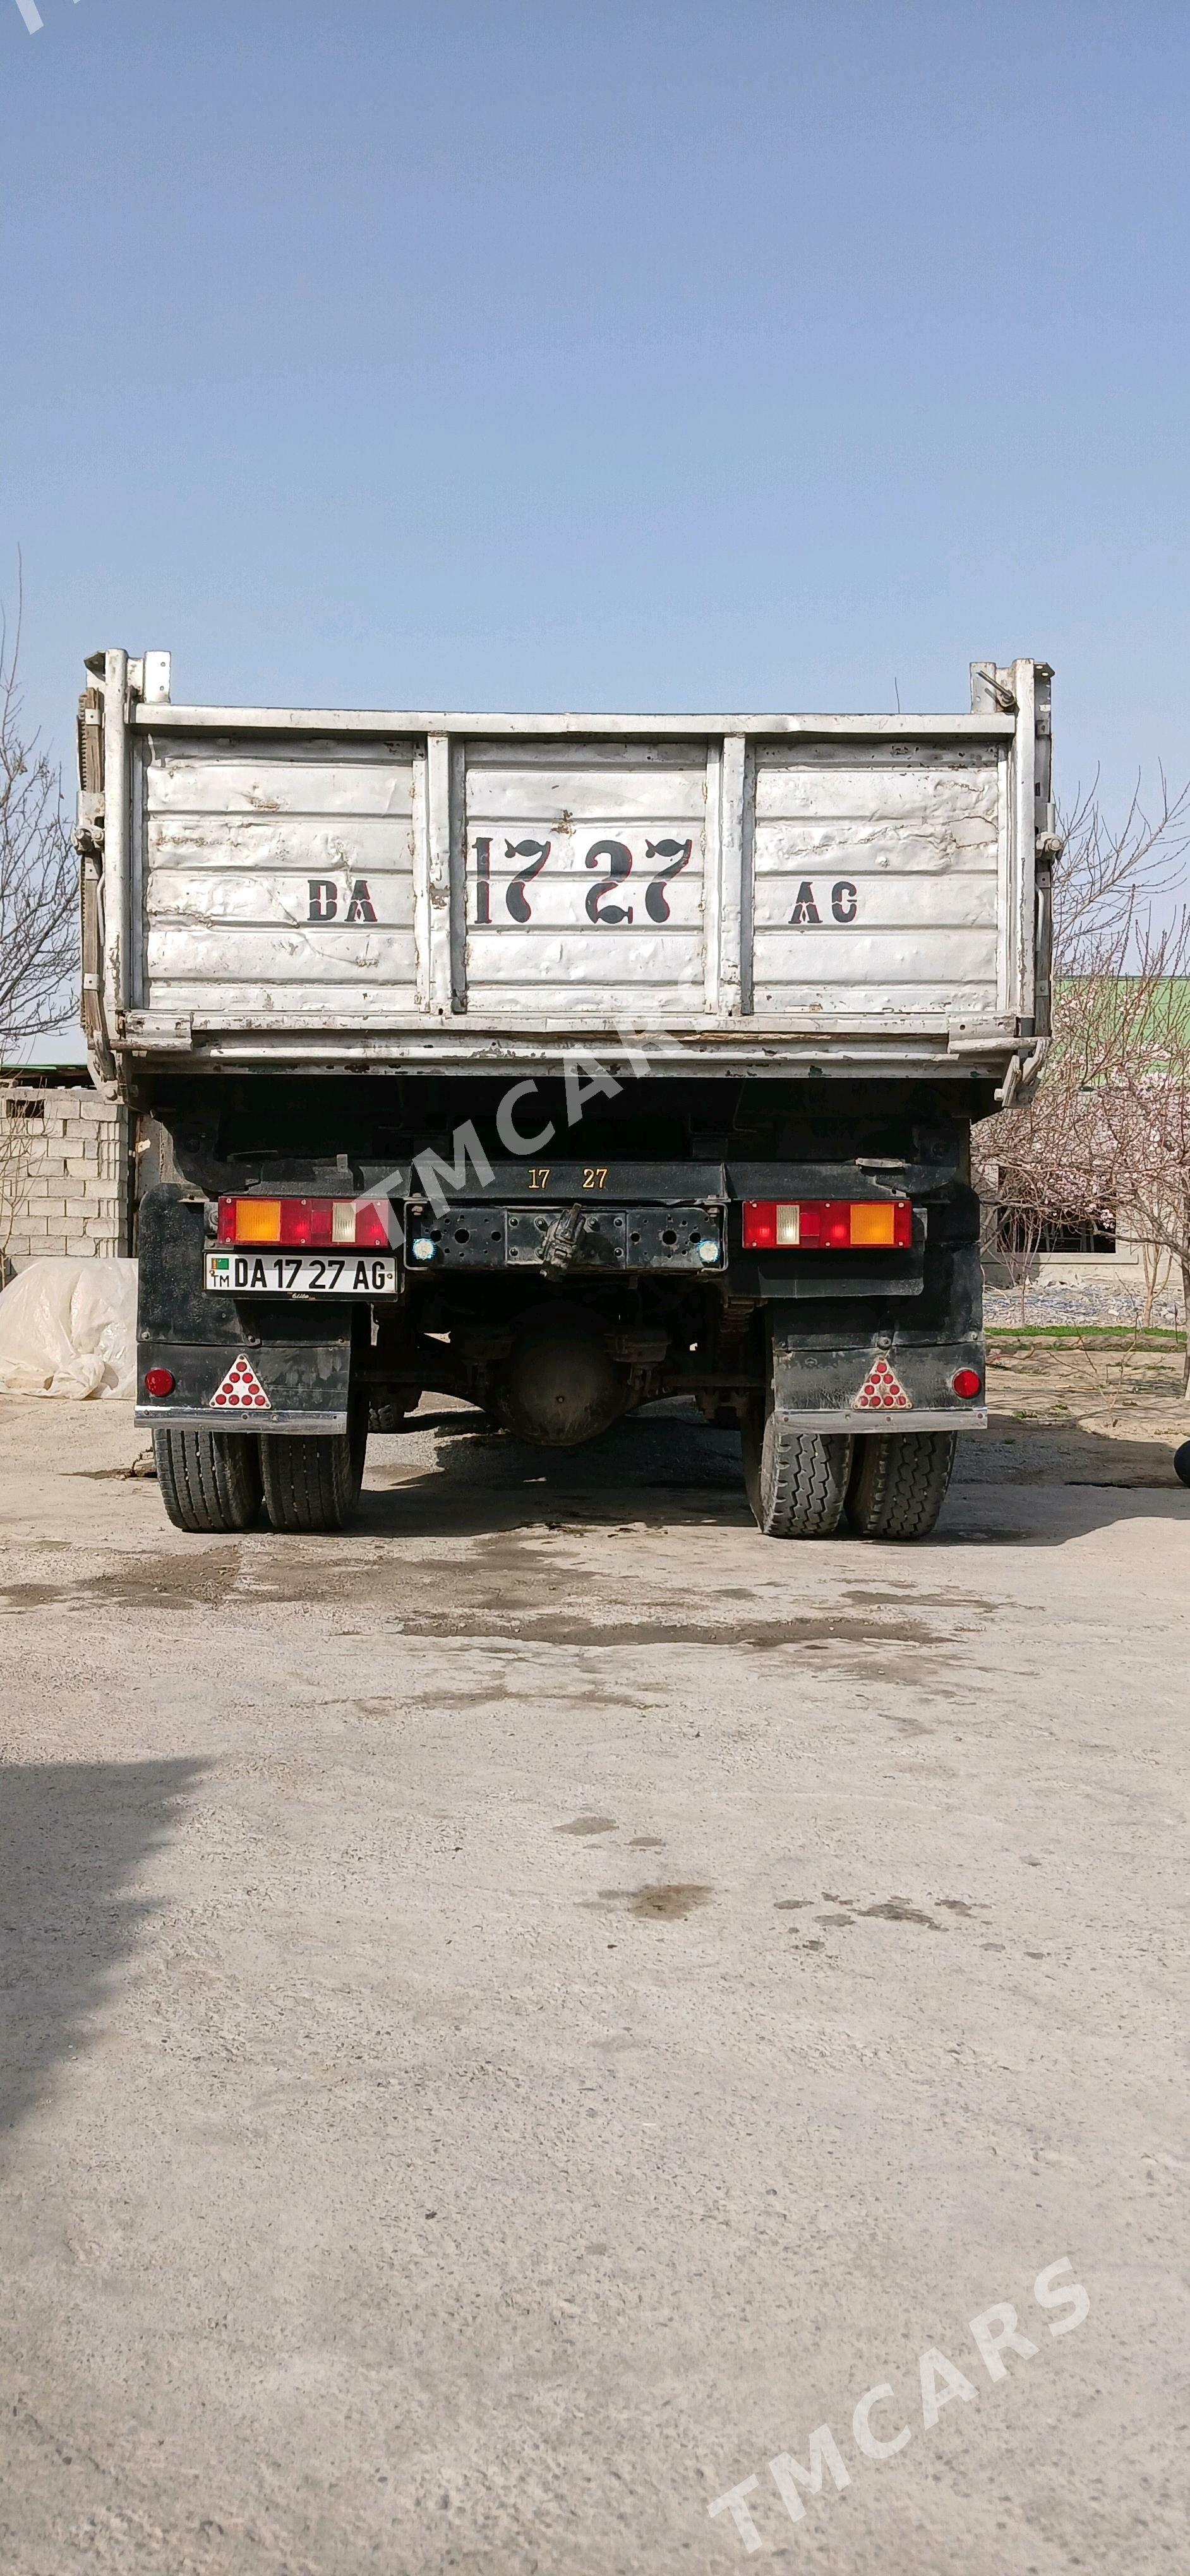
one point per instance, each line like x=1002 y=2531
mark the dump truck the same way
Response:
x=560 y=1064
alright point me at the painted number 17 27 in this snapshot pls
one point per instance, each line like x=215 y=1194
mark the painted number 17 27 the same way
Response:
x=610 y=863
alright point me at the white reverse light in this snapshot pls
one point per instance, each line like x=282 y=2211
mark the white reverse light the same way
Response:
x=708 y=1250
x=423 y=1247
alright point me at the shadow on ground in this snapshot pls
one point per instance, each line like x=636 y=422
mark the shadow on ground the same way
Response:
x=648 y=1470
x=1016 y=1451
x=662 y=1469
x=73 y=1837
x=664 y=1472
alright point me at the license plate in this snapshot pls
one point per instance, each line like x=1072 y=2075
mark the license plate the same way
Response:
x=293 y=1274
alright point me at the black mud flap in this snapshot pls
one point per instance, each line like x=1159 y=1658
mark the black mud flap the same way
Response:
x=886 y=1383
x=248 y=1367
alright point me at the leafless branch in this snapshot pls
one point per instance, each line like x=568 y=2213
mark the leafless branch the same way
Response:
x=22 y=1154
x=1110 y=877
x=1105 y=1135
x=38 y=868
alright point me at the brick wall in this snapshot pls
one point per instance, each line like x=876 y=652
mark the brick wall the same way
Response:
x=64 y=1162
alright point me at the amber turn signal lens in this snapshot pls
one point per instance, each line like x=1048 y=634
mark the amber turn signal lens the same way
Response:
x=873 y=1221
x=309 y=1223
x=254 y=1220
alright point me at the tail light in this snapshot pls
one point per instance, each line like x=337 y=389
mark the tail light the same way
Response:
x=159 y=1381
x=305 y=1221
x=966 y=1382
x=828 y=1225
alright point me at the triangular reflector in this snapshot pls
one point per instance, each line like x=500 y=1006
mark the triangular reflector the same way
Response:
x=241 y=1390
x=882 y=1391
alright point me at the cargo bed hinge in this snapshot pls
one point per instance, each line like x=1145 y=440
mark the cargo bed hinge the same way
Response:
x=155 y=1030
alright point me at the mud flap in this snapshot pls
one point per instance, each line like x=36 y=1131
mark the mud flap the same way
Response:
x=889 y=1382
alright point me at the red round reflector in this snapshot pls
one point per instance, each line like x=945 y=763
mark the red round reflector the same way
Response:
x=966 y=1382
x=159 y=1381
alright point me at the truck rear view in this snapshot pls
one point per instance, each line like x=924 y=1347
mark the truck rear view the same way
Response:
x=559 y=1064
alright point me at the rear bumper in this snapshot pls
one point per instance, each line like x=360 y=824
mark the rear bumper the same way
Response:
x=957 y=1417
x=193 y=1417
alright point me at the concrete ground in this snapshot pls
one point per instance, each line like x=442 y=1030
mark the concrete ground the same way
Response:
x=515 y=2016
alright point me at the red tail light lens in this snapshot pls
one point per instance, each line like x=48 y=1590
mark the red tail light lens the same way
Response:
x=828 y=1225
x=305 y=1221
x=374 y=1223
x=159 y=1381
x=966 y=1382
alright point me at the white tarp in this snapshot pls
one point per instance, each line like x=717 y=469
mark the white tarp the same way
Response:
x=69 y=1328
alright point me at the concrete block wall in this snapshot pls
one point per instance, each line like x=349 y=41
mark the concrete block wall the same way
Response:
x=64 y=1165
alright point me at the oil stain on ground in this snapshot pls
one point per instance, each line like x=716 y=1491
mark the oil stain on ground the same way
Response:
x=665 y=1902
x=892 y=1909
x=198 y=1579
x=203 y=1579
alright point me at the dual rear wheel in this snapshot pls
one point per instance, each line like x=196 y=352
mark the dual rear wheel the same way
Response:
x=803 y=1484
x=898 y=1483
x=219 y=1480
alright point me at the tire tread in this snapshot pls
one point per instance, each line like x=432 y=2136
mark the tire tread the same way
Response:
x=312 y=1482
x=796 y=1480
x=210 y=1481
x=899 y=1483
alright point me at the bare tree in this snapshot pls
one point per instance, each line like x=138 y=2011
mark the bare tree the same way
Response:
x=1104 y=1136
x=1017 y=1225
x=38 y=923
x=1155 y=1265
x=1140 y=1114
x=1018 y=1232
x=22 y=1154
x=1109 y=879
x=38 y=870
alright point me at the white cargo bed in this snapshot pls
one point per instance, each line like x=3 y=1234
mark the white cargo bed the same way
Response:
x=330 y=888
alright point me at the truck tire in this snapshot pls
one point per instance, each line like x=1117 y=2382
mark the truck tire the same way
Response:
x=796 y=1480
x=898 y=1483
x=390 y=1417
x=209 y=1480
x=312 y=1483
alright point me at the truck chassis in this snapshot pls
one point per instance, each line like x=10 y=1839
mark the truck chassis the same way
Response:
x=557 y=1297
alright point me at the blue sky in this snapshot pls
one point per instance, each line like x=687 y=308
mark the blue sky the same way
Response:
x=697 y=356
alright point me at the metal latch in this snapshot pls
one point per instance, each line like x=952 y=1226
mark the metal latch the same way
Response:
x=146 y=1030
x=88 y=832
